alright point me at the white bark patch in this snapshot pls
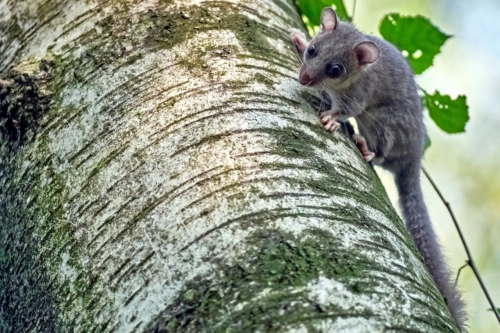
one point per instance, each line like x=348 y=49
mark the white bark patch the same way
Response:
x=328 y=291
x=143 y=6
x=349 y=325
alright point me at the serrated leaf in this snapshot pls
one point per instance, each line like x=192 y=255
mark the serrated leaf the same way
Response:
x=311 y=9
x=450 y=115
x=416 y=37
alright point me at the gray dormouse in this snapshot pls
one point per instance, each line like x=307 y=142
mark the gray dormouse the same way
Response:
x=369 y=79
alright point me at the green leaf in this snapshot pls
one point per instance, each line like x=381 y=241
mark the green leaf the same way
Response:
x=416 y=37
x=311 y=9
x=450 y=115
x=427 y=141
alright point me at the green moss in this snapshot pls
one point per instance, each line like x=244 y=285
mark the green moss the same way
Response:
x=264 y=80
x=133 y=58
x=34 y=237
x=295 y=143
x=60 y=238
x=264 y=289
x=26 y=289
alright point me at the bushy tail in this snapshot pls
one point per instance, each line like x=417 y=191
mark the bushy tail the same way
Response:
x=420 y=228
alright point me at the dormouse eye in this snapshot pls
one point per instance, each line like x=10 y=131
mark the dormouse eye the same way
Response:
x=335 y=70
x=311 y=50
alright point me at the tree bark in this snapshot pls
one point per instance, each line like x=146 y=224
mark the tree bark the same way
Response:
x=162 y=171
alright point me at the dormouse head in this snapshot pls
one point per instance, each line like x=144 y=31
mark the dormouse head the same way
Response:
x=336 y=54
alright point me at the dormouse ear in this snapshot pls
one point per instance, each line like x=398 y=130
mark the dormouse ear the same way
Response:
x=366 y=53
x=328 y=19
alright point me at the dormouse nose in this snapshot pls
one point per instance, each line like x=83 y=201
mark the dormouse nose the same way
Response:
x=305 y=78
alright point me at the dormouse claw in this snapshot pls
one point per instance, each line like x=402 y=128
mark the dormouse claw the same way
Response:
x=328 y=120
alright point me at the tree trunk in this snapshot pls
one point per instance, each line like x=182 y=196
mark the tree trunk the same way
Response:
x=161 y=171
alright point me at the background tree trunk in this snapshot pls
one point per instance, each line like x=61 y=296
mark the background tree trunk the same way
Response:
x=162 y=171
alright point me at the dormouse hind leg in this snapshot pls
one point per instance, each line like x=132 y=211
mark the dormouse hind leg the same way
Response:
x=298 y=39
x=363 y=147
x=328 y=118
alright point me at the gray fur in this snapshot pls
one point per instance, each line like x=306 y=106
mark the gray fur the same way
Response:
x=383 y=98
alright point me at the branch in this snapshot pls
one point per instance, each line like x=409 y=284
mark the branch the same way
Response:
x=460 y=271
x=470 y=261
x=353 y=10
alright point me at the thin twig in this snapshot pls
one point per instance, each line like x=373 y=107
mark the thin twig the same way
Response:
x=471 y=260
x=353 y=10
x=460 y=270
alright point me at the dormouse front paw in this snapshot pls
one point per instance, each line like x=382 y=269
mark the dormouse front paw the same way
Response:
x=298 y=39
x=328 y=118
x=297 y=33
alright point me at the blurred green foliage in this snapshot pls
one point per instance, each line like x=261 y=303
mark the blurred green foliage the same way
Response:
x=311 y=9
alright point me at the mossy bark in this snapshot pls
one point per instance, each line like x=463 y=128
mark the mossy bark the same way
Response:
x=161 y=171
